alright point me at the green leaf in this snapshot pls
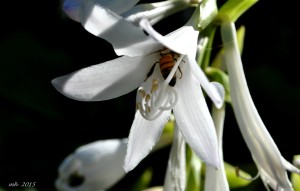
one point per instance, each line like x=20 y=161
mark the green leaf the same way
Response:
x=143 y=181
x=233 y=9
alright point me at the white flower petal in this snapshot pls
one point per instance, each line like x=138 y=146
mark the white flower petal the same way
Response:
x=263 y=148
x=98 y=164
x=106 y=80
x=176 y=173
x=143 y=136
x=214 y=90
x=125 y=38
x=154 y=12
x=194 y=119
x=216 y=180
x=268 y=181
x=182 y=40
x=117 y=6
x=72 y=7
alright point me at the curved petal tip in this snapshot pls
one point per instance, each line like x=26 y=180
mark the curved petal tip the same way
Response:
x=220 y=94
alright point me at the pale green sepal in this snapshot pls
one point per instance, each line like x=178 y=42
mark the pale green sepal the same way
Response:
x=233 y=180
x=217 y=75
x=194 y=166
x=233 y=9
x=208 y=11
x=143 y=181
x=295 y=178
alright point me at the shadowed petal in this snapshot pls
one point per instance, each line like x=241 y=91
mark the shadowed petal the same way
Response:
x=214 y=90
x=194 y=119
x=182 y=40
x=125 y=38
x=72 y=7
x=143 y=136
x=154 y=12
x=117 y=6
x=107 y=80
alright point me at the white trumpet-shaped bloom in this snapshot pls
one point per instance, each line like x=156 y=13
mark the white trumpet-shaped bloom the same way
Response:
x=93 y=167
x=156 y=98
x=117 y=21
x=175 y=178
x=271 y=165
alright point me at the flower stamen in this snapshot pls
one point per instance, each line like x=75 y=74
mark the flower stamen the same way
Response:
x=151 y=105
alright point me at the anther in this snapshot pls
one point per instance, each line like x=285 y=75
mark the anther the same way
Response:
x=142 y=92
x=147 y=98
x=148 y=109
x=154 y=85
x=137 y=106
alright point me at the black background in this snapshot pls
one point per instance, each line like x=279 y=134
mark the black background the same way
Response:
x=39 y=126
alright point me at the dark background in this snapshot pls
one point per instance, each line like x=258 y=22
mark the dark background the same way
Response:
x=39 y=126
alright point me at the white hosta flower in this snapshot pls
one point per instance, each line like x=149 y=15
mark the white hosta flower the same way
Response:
x=112 y=19
x=157 y=93
x=93 y=167
x=176 y=172
x=215 y=179
x=271 y=165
